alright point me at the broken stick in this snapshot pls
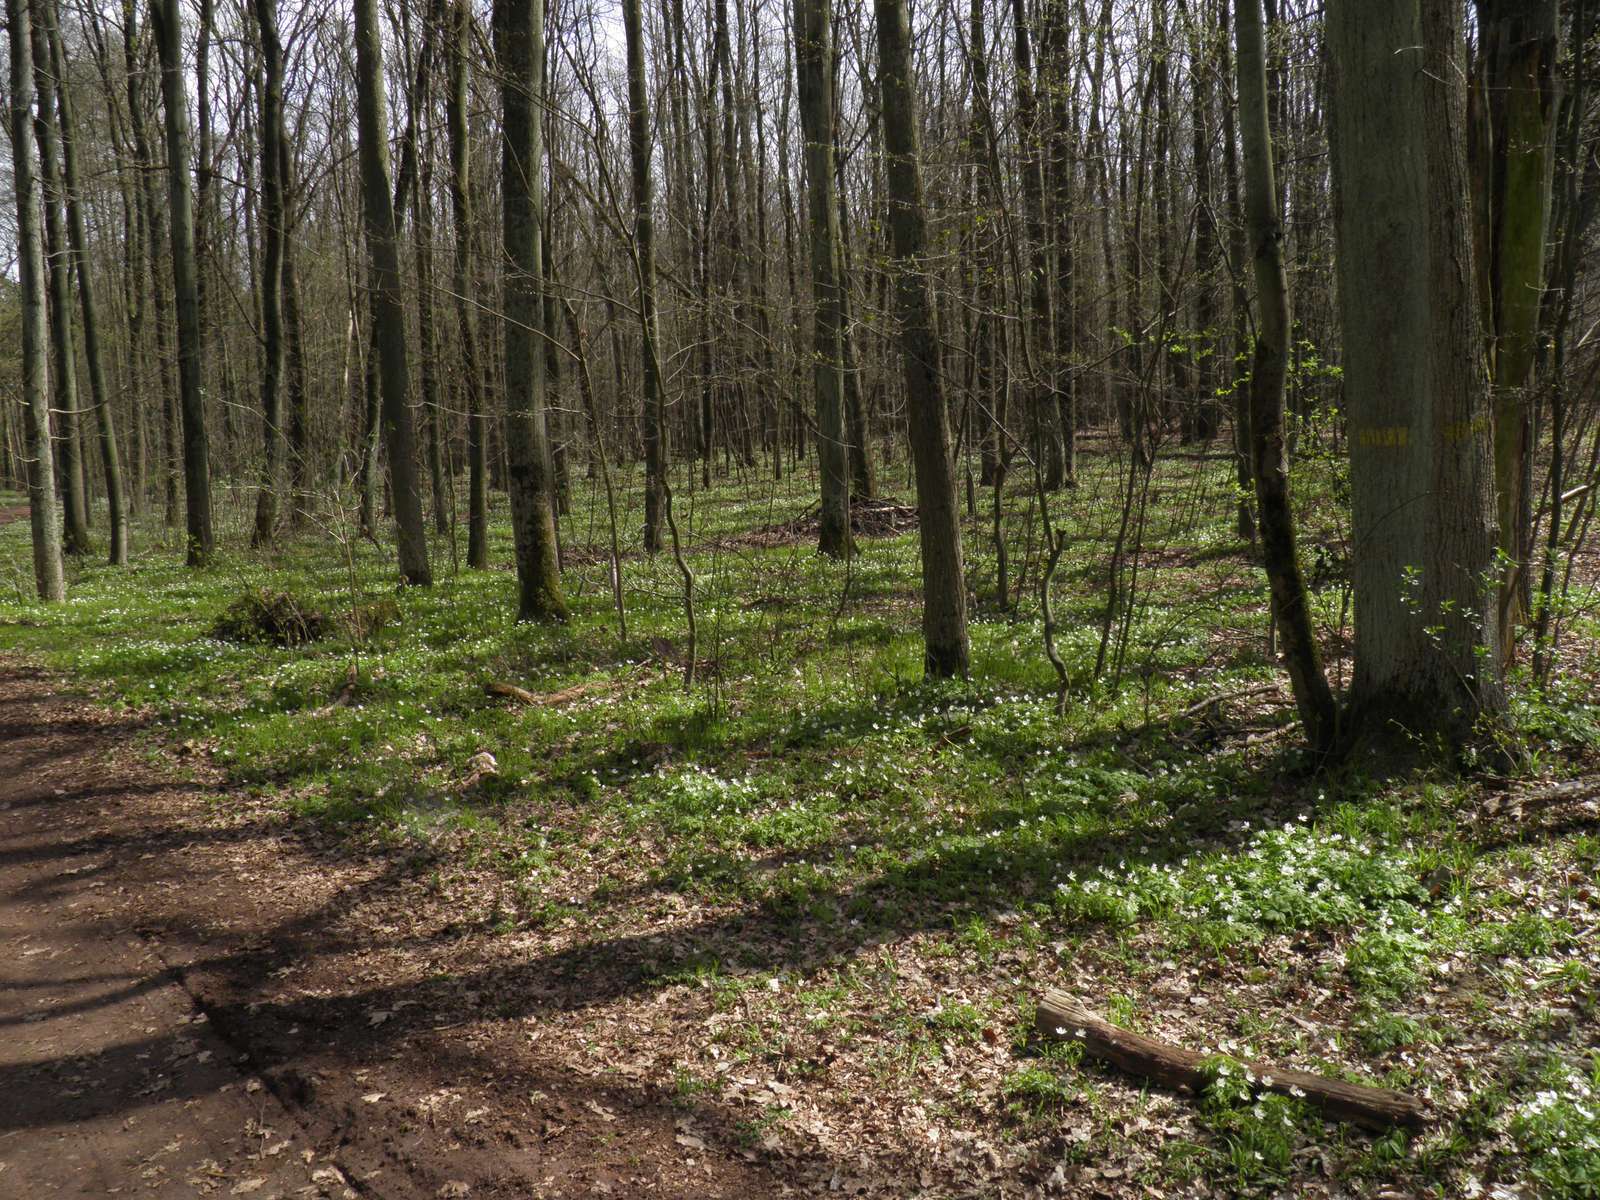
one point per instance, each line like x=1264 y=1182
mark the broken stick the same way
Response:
x=346 y=694
x=511 y=692
x=1062 y=1018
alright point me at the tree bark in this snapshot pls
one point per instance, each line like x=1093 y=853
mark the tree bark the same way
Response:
x=63 y=343
x=388 y=301
x=1061 y=1017
x=43 y=515
x=99 y=392
x=272 y=224
x=813 y=21
x=466 y=315
x=1512 y=113
x=944 y=589
x=166 y=17
x=1427 y=646
x=1269 y=457
x=644 y=255
x=519 y=47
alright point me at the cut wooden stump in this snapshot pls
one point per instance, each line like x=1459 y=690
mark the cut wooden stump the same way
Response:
x=1062 y=1018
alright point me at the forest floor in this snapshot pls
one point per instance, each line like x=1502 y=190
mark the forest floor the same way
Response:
x=198 y=1004
x=784 y=933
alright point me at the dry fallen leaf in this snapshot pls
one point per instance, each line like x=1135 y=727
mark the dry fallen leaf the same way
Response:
x=246 y=1186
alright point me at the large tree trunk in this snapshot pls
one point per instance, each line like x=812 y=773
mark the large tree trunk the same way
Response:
x=99 y=393
x=813 y=20
x=1513 y=118
x=388 y=301
x=43 y=515
x=196 y=450
x=519 y=46
x=1269 y=455
x=272 y=223
x=1427 y=646
x=944 y=590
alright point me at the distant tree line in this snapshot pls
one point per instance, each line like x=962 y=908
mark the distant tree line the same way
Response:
x=406 y=256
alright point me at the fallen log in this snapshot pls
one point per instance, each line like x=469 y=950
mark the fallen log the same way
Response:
x=511 y=691
x=578 y=691
x=1062 y=1018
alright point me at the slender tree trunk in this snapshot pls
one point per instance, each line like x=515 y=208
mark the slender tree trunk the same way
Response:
x=944 y=590
x=466 y=316
x=1039 y=334
x=1244 y=519
x=519 y=47
x=297 y=393
x=166 y=17
x=272 y=223
x=42 y=512
x=652 y=409
x=388 y=298
x=813 y=21
x=99 y=392
x=1512 y=112
x=63 y=344
x=1206 y=242
x=1280 y=554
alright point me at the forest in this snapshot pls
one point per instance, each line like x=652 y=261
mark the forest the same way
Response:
x=780 y=597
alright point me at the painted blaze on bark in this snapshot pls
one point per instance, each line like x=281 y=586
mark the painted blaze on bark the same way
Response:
x=1427 y=649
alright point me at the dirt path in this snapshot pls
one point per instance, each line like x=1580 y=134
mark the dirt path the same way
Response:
x=197 y=1000
x=111 y=1077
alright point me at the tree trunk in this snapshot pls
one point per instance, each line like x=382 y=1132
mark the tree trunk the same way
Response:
x=1512 y=112
x=944 y=590
x=466 y=316
x=297 y=395
x=166 y=17
x=272 y=223
x=42 y=512
x=110 y=460
x=388 y=298
x=644 y=254
x=63 y=343
x=813 y=21
x=1244 y=517
x=1269 y=457
x=519 y=47
x=1427 y=646
x=1039 y=330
